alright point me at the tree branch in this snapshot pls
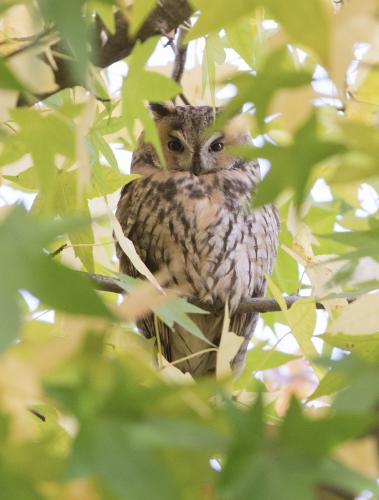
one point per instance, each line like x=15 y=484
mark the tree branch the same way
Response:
x=107 y=48
x=255 y=304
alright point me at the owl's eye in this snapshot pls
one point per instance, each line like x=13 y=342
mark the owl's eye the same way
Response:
x=175 y=145
x=216 y=146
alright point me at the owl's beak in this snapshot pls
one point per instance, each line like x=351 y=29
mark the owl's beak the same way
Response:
x=196 y=168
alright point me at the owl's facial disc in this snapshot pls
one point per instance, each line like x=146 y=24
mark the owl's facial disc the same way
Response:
x=188 y=142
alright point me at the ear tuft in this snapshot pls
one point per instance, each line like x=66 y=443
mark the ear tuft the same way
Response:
x=160 y=110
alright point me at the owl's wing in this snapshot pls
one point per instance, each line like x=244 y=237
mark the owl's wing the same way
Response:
x=131 y=212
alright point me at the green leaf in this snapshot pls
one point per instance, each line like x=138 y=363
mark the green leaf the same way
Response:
x=215 y=16
x=260 y=359
x=7 y=78
x=23 y=265
x=365 y=243
x=332 y=382
x=63 y=199
x=214 y=52
x=365 y=346
x=69 y=19
x=301 y=318
x=240 y=37
x=307 y=24
x=102 y=147
x=317 y=437
x=291 y=165
x=105 y=180
x=140 y=86
x=106 y=448
x=276 y=73
x=141 y=9
x=256 y=462
x=60 y=132
x=177 y=311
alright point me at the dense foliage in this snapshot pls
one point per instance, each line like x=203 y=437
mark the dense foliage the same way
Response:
x=89 y=409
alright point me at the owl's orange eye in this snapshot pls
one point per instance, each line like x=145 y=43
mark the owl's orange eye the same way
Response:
x=175 y=145
x=216 y=146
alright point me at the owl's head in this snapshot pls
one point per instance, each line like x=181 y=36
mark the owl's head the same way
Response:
x=189 y=141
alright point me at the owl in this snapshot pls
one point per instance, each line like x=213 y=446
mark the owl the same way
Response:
x=193 y=218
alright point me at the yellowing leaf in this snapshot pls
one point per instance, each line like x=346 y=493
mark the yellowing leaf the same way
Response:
x=229 y=346
x=301 y=318
x=360 y=455
x=130 y=250
x=141 y=86
x=140 y=10
x=358 y=318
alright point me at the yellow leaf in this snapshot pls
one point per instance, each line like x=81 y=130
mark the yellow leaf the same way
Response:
x=301 y=318
x=359 y=317
x=356 y=21
x=277 y=294
x=360 y=455
x=229 y=346
x=129 y=250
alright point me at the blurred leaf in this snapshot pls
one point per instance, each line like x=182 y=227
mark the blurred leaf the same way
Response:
x=214 y=52
x=313 y=31
x=216 y=16
x=230 y=344
x=260 y=359
x=358 y=318
x=291 y=165
x=301 y=318
x=106 y=448
x=35 y=125
x=366 y=346
x=103 y=148
x=23 y=265
x=140 y=10
x=263 y=465
x=365 y=242
x=307 y=24
x=69 y=19
x=332 y=382
x=240 y=37
x=64 y=199
x=316 y=437
x=107 y=180
x=277 y=72
x=140 y=86
x=7 y=78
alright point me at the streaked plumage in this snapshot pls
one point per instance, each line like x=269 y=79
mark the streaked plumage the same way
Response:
x=193 y=218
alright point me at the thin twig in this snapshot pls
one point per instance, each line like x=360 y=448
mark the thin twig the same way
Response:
x=255 y=304
x=58 y=250
x=38 y=40
x=198 y=353
x=38 y=414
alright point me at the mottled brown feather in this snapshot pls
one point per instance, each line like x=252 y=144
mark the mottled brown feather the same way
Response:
x=201 y=229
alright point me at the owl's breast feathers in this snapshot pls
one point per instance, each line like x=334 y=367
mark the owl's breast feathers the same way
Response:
x=202 y=230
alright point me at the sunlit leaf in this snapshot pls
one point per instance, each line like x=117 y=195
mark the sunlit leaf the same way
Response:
x=24 y=265
x=141 y=86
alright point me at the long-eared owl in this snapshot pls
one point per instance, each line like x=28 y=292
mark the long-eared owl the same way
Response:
x=193 y=218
